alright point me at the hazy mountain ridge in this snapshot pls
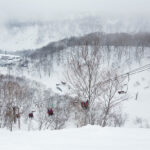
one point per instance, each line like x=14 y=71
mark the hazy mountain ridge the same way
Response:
x=103 y=39
x=17 y=35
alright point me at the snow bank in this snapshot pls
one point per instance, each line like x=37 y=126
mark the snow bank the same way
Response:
x=86 y=138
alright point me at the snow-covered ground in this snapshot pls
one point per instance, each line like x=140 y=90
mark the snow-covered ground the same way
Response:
x=86 y=138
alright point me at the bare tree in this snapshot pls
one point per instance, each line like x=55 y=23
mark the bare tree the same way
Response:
x=86 y=76
x=83 y=74
x=14 y=100
x=114 y=93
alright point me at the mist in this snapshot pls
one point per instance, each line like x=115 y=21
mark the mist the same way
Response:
x=31 y=24
x=46 y=10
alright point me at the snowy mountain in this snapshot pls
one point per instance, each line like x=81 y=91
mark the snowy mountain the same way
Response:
x=17 y=35
x=47 y=66
x=74 y=75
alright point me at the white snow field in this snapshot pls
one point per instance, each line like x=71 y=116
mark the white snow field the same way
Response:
x=86 y=138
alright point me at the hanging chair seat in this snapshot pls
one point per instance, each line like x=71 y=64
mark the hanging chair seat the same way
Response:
x=85 y=104
x=31 y=115
x=50 y=112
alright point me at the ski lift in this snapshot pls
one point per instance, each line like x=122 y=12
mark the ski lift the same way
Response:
x=124 y=89
x=31 y=115
x=121 y=92
x=85 y=104
x=50 y=111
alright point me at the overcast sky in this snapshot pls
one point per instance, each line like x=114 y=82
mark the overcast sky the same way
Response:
x=47 y=9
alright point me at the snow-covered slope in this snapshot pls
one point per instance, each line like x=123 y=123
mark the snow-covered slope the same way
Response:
x=136 y=108
x=48 y=67
x=86 y=138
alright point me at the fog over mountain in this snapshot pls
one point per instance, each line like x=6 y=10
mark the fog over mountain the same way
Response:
x=30 y=24
x=51 y=9
x=75 y=63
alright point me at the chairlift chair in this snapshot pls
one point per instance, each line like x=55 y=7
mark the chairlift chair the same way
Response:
x=123 y=90
x=85 y=104
x=50 y=111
